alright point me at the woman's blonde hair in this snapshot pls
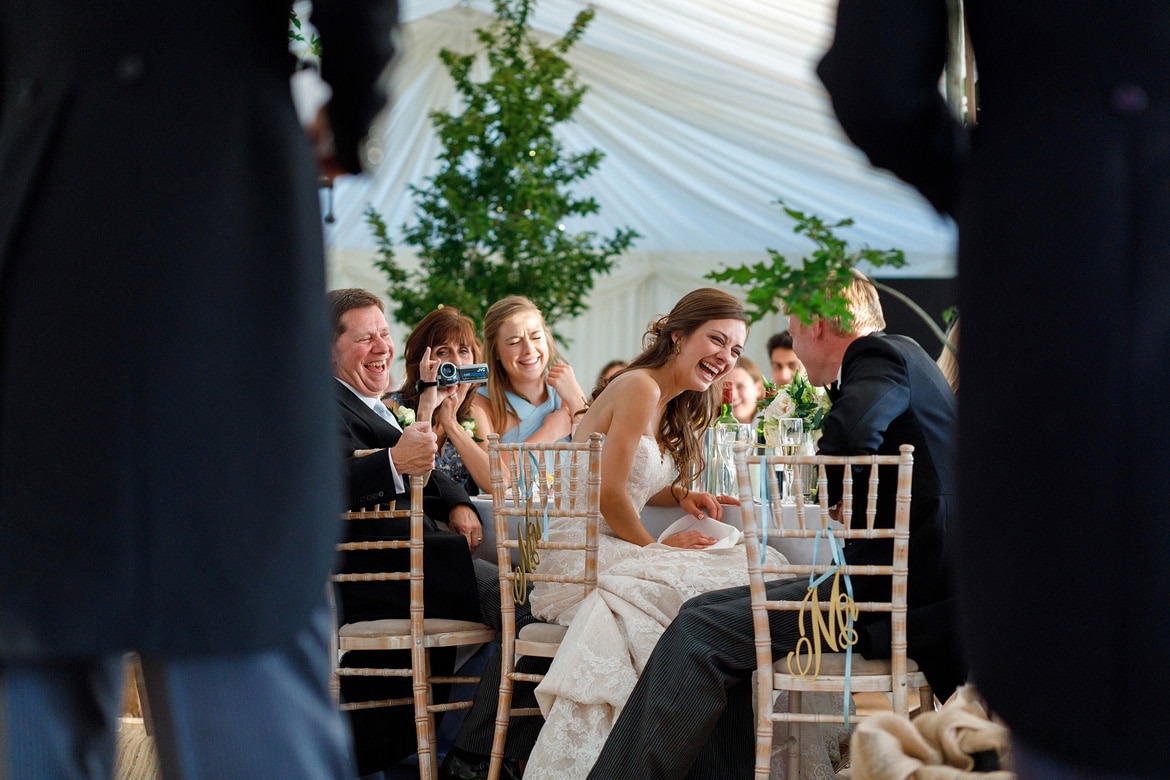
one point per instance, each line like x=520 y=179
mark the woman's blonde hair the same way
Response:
x=498 y=380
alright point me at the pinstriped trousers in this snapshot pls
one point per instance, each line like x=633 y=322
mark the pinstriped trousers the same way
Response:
x=478 y=727
x=690 y=715
x=260 y=714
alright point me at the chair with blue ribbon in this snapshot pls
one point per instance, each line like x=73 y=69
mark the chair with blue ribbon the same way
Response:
x=823 y=659
x=535 y=487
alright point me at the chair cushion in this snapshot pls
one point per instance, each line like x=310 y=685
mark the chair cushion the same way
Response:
x=833 y=664
x=549 y=633
x=401 y=627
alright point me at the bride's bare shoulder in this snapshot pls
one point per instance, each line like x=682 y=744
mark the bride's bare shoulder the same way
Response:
x=630 y=398
x=638 y=380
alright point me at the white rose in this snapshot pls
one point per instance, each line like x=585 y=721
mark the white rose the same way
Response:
x=782 y=406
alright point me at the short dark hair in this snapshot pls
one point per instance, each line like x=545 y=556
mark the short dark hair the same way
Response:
x=782 y=340
x=341 y=301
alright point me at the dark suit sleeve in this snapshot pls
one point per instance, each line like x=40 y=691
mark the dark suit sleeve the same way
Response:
x=882 y=73
x=371 y=481
x=875 y=390
x=442 y=494
x=356 y=48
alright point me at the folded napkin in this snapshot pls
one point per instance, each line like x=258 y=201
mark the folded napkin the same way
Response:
x=949 y=744
x=726 y=535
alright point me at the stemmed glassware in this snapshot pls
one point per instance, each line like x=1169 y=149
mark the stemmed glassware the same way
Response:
x=789 y=441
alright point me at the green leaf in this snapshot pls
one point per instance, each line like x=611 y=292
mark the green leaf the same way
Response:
x=489 y=221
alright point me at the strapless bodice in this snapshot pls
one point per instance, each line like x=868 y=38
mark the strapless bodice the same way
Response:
x=650 y=472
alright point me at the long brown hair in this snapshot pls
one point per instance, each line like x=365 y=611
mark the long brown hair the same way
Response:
x=442 y=325
x=690 y=412
x=498 y=381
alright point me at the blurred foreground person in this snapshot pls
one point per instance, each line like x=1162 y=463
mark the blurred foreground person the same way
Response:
x=1063 y=207
x=169 y=480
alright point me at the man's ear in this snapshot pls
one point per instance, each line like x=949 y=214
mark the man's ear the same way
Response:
x=817 y=328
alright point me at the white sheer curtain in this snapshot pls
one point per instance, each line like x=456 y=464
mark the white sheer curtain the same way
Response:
x=707 y=111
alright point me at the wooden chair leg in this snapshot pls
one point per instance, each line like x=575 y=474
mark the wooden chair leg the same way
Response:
x=143 y=701
x=764 y=702
x=794 y=706
x=424 y=717
x=503 y=714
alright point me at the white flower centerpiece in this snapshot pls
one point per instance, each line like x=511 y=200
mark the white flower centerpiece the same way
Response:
x=797 y=399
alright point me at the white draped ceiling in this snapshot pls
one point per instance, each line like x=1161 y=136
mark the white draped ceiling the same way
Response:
x=708 y=111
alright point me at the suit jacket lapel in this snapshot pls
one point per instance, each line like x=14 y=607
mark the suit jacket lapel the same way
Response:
x=380 y=430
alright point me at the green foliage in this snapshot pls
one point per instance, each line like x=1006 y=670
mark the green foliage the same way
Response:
x=814 y=289
x=311 y=48
x=491 y=222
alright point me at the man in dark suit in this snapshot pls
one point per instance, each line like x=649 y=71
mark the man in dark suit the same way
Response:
x=1063 y=208
x=690 y=714
x=169 y=479
x=361 y=355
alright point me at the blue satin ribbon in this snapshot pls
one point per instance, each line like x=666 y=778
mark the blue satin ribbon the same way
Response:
x=838 y=553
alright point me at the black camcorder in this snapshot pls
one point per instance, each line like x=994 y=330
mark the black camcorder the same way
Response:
x=451 y=374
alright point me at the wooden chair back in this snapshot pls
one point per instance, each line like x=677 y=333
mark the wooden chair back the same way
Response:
x=857 y=513
x=415 y=633
x=535 y=484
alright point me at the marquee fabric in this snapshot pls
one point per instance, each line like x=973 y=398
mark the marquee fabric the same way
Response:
x=708 y=111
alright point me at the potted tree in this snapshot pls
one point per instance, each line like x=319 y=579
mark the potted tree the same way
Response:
x=492 y=221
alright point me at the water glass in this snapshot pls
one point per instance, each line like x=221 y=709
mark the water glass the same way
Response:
x=727 y=435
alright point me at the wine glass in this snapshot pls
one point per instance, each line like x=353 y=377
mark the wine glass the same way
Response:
x=789 y=441
x=727 y=435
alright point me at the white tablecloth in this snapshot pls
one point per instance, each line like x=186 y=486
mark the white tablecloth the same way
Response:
x=657 y=519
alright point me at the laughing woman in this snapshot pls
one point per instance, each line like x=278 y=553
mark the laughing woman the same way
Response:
x=652 y=414
x=530 y=395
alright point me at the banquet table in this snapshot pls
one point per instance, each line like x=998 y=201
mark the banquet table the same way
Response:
x=658 y=518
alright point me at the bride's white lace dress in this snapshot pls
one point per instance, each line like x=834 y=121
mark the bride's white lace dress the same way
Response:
x=613 y=631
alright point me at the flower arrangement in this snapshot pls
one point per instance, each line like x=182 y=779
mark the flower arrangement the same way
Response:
x=799 y=399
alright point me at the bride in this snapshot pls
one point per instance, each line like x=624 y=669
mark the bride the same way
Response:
x=652 y=414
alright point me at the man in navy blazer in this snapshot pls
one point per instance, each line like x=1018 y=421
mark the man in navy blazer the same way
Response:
x=361 y=355
x=690 y=715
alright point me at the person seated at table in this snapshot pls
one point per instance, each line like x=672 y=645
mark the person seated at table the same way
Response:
x=530 y=395
x=690 y=714
x=785 y=364
x=450 y=335
x=607 y=372
x=360 y=357
x=456 y=587
x=747 y=385
x=652 y=414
